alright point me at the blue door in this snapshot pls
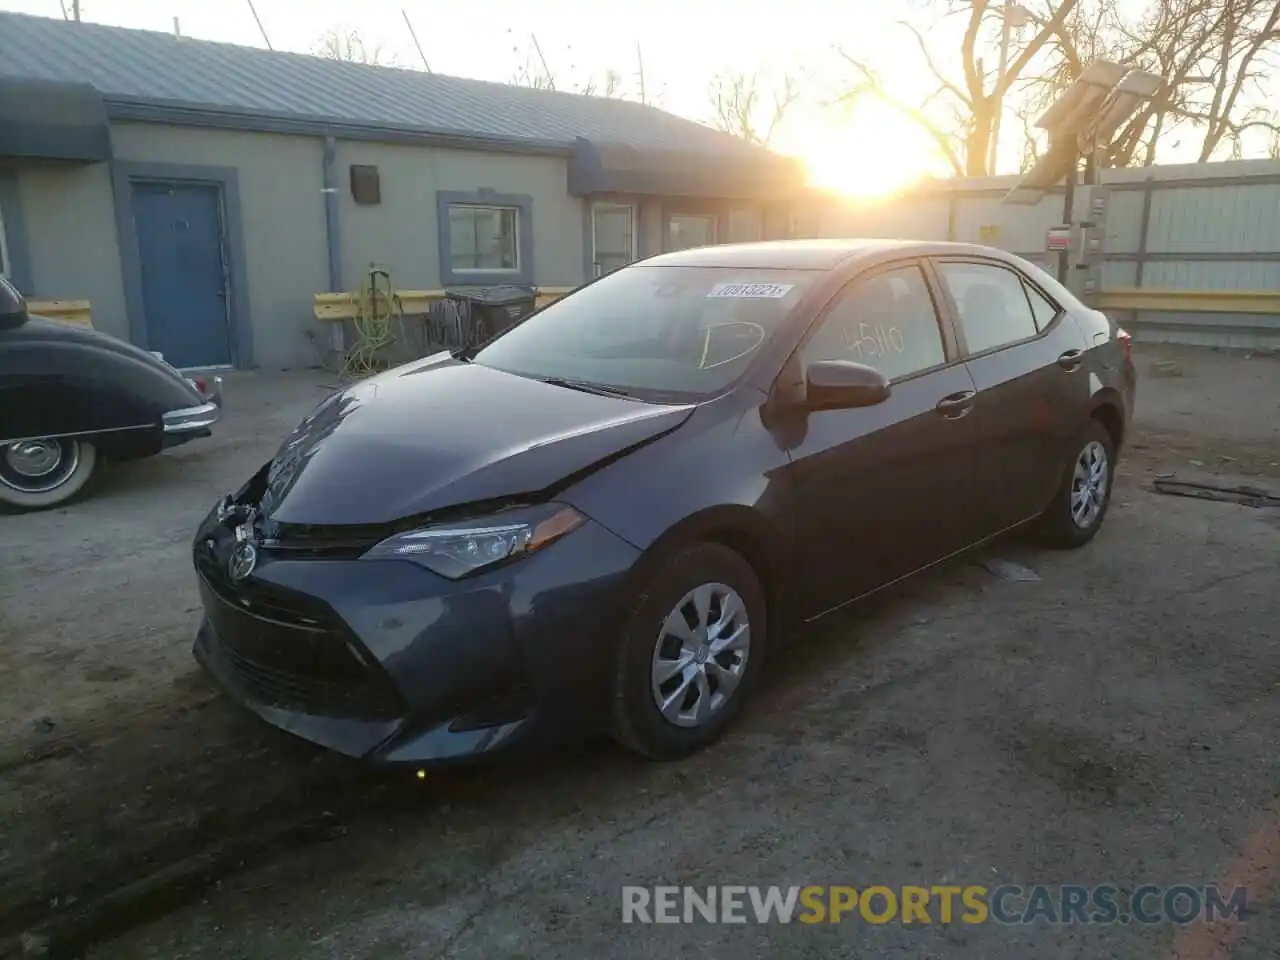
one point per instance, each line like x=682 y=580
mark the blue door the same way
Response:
x=184 y=275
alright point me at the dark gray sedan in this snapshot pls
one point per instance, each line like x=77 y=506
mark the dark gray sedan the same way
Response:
x=603 y=518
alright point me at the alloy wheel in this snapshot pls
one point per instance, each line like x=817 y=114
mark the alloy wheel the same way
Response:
x=700 y=655
x=1089 y=485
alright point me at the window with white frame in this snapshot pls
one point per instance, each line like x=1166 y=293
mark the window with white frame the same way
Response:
x=484 y=238
x=613 y=236
x=685 y=230
x=745 y=224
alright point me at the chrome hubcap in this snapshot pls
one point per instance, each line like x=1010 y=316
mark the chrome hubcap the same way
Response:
x=700 y=655
x=33 y=458
x=36 y=466
x=1089 y=484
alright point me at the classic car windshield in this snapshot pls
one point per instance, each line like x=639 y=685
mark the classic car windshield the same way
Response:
x=654 y=332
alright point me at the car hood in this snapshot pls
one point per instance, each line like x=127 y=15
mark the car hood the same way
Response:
x=443 y=433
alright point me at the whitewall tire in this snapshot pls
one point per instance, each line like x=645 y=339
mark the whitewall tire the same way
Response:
x=41 y=473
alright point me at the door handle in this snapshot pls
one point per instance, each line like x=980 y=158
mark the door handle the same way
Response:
x=1071 y=360
x=956 y=405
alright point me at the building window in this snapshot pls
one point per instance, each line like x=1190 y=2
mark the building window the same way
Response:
x=613 y=236
x=685 y=230
x=745 y=224
x=484 y=238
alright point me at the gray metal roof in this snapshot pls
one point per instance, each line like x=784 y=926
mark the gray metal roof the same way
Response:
x=147 y=68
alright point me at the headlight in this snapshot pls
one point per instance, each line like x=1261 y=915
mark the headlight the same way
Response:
x=457 y=550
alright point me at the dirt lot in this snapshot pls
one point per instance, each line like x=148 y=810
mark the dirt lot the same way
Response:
x=1115 y=722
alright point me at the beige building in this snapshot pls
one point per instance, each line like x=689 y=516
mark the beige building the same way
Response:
x=200 y=195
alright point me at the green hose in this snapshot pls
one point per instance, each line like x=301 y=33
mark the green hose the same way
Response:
x=378 y=308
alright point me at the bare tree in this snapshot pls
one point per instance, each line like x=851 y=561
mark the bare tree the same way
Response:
x=738 y=107
x=960 y=112
x=348 y=44
x=1212 y=57
x=536 y=71
x=526 y=75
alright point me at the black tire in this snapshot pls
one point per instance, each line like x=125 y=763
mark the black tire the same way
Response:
x=637 y=722
x=1058 y=526
x=71 y=477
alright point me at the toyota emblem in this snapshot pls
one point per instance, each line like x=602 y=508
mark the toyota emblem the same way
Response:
x=243 y=559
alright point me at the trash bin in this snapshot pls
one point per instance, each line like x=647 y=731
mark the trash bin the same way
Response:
x=491 y=310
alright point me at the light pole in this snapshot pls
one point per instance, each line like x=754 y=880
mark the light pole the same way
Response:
x=1014 y=17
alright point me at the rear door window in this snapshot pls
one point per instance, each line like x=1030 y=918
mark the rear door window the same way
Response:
x=1043 y=309
x=991 y=304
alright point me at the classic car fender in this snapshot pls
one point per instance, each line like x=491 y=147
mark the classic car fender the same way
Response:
x=59 y=380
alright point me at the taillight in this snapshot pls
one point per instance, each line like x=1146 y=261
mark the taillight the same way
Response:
x=1126 y=342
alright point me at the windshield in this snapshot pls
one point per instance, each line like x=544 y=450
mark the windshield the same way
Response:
x=659 y=333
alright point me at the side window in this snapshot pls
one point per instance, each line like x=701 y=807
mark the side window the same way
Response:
x=1042 y=308
x=991 y=303
x=886 y=321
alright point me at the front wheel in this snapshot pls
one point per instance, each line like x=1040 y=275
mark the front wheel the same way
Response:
x=691 y=649
x=1077 y=511
x=46 y=472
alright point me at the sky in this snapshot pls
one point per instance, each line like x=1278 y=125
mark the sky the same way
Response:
x=683 y=45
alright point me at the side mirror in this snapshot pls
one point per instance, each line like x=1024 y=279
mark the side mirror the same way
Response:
x=843 y=385
x=13 y=308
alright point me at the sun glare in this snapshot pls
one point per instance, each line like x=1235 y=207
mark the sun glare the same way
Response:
x=875 y=153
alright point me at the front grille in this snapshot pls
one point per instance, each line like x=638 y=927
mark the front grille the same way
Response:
x=355 y=701
x=291 y=651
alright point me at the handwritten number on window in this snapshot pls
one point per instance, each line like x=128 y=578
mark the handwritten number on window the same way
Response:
x=875 y=340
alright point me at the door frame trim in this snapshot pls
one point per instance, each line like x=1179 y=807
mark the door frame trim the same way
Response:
x=227 y=182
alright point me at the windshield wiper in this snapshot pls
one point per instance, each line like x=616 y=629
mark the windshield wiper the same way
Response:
x=585 y=387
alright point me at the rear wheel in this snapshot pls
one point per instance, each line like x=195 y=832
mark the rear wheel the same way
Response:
x=691 y=650
x=45 y=472
x=1077 y=511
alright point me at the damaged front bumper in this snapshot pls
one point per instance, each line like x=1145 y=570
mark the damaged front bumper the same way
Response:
x=389 y=663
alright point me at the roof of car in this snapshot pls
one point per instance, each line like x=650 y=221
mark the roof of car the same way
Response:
x=824 y=254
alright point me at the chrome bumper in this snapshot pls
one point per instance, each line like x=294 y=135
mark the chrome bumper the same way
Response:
x=214 y=395
x=199 y=418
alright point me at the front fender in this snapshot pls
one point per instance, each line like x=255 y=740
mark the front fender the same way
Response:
x=718 y=476
x=70 y=387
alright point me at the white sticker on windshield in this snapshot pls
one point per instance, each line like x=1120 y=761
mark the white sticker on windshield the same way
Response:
x=750 y=291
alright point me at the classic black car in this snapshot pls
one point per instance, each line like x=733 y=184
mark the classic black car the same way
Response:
x=71 y=398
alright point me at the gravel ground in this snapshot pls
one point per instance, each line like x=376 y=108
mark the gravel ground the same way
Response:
x=1115 y=722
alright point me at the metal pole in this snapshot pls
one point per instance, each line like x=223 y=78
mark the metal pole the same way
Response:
x=1068 y=214
x=261 y=29
x=546 y=71
x=413 y=34
x=640 y=63
x=1004 y=68
x=75 y=10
